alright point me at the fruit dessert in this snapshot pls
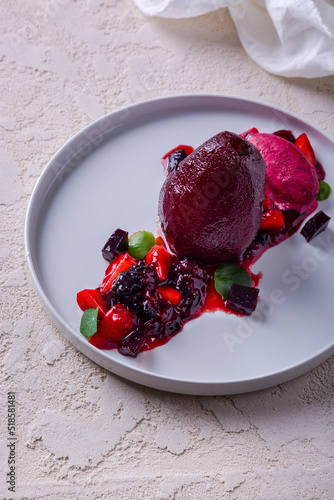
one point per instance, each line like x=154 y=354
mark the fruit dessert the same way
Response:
x=220 y=207
x=210 y=207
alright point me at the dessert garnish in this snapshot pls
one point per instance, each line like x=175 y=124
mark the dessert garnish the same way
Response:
x=315 y=225
x=117 y=244
x=243 y=299
x=324 y=191
x=220 y=207
x=228 y=274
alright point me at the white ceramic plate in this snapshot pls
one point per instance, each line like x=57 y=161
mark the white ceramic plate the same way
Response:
x=108 y=176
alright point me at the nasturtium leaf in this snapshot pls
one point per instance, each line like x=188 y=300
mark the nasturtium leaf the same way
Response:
x=88 y=325
x=324 y=191
x=140 y=243
x=227 y=274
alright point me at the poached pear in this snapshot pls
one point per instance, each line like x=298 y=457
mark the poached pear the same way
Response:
x=210 y=207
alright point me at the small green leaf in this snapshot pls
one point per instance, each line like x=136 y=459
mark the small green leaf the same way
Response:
x=228 y=274
x=140 y=243
x=324 y=191
x=88 y=325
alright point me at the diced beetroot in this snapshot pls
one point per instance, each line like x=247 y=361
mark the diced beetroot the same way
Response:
x=117 y=266
x=160 y=259
x=303 y=143
x=286 y=134
x=88 y=299
x=133 y=343
x=243 y=299
x=272 y=219
x=315 y=225
x=117 y=243
x=168 y=293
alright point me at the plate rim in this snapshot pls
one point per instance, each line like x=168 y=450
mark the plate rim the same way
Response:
x=155 y=380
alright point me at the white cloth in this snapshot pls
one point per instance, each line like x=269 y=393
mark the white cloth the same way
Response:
x=285 y=37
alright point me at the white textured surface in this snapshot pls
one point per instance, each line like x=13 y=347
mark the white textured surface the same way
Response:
x=83 y=432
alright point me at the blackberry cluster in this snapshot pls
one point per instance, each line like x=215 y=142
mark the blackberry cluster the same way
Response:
x=136 y=288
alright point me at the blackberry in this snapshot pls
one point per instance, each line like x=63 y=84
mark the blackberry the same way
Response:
x=186 y=267
x=175 y=159
x=136 y=288
x=191 y=281
x=165 y=323
x=173 y=327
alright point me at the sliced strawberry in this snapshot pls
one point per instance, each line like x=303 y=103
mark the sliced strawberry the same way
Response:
x=92 y=299
x=160 y=241
x=272 y=219
x=267 y=204
x=248 y=132
x=118 y=265
x=114 y=326
x=160 y=259
x=303 y=143
x=168 y=293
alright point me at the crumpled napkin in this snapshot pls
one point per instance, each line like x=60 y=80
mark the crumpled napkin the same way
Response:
x=293 y=38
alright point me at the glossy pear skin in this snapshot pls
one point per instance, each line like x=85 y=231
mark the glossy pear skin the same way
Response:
x=210 y=207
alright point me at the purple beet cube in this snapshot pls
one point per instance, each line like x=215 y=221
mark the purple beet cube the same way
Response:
x=133 y=343
x=243 y=299
x=117 y=243
x=315 y=225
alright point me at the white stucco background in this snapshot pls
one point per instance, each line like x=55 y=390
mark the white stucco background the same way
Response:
x=84 y=433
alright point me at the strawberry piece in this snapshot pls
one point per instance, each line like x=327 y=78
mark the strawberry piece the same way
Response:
x=117 y=266
x=303 y=143
x=168 y=293
x=160 y=259
x=160 y=241
x=268 y=204
x=114 y=326
x=248 y=132
x=92 y=299
x=272 y=219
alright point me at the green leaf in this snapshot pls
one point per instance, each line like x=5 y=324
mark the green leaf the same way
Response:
x=140 y=243
x=324 y=191
x=228 y=274
x=88 y=325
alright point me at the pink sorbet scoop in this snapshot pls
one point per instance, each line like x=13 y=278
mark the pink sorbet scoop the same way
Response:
x=291 y=181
